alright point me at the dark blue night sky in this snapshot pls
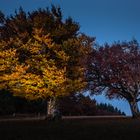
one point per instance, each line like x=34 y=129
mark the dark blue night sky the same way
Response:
x=107 y=20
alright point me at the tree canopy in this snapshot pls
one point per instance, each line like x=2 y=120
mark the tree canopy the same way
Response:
x=115 y=69
x=42 y=55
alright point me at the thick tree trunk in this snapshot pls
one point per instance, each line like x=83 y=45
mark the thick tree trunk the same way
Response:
x=52 y=110
x=134 y=109
x=51 y=106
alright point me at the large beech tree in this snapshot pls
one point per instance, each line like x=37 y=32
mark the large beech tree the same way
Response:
x=42 y=55
x=115 y=69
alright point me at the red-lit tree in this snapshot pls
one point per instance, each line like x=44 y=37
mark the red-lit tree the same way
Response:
x=115 y=70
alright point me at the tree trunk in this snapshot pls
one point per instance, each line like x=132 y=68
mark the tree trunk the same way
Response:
x=52 y=110
x=134 y=109
x=51 y=106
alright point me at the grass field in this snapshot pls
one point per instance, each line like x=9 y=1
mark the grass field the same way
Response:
x=71 y=129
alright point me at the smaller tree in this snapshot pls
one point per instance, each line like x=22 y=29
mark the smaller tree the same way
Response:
x=115 y=70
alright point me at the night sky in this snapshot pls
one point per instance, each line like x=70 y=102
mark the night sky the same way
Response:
x=107 y=20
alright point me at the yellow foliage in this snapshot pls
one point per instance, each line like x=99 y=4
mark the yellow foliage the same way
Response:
x=39 y=74
x=36 y=77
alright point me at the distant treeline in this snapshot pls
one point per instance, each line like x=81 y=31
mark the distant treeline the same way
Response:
x=81 y=105
x=69 y=105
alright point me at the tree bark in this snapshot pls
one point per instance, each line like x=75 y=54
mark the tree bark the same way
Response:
x=134 y=109
x=52 y=110
x=51 y=106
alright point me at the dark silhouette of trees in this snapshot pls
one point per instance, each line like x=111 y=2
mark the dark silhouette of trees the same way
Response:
x=77 y=105
x=115 y=70
x=68 y=106
x=81 y=105
x=10 y=105
x=107 y=109
x=6 y=103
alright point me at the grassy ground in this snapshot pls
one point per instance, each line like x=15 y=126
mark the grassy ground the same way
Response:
x=75 y=129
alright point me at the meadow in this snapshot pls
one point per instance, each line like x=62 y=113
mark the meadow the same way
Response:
x=71 y=129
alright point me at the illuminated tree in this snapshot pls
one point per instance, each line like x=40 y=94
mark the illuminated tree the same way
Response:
x=42 y=56
x=115 y=70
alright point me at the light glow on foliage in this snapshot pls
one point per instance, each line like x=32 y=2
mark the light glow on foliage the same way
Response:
x=41 y=55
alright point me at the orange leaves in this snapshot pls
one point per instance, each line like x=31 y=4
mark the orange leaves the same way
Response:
x=37 y=76
x=14 y=76
x=44 y=57
x=7 y=53
x=7 y=59
x=54 y=79
x=53 y=76
x=46 y=39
